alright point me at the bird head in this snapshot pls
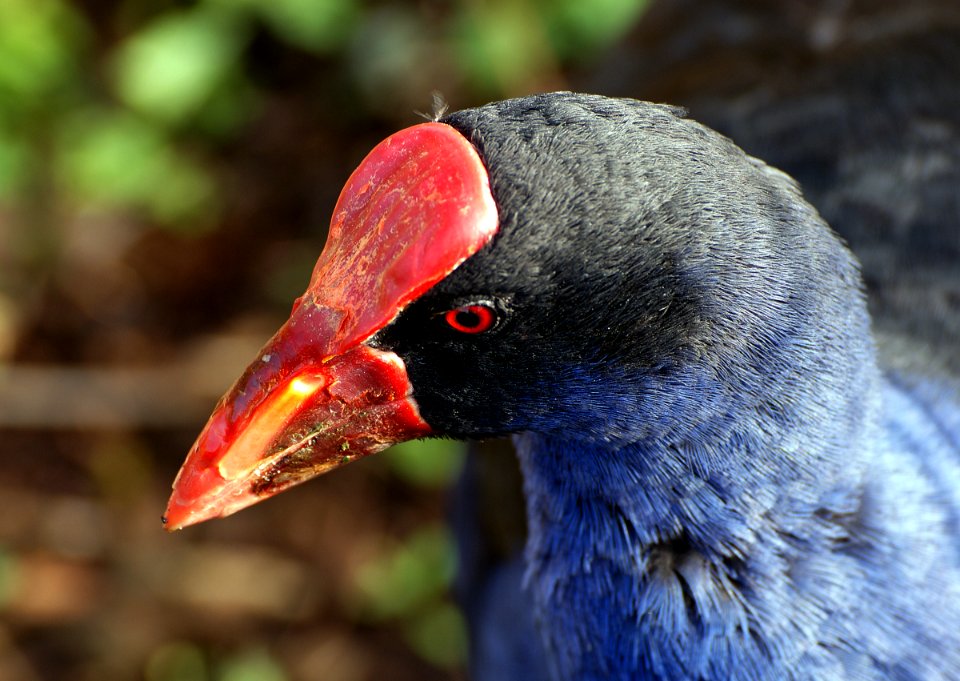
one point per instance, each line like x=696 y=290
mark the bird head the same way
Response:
x=563 y=264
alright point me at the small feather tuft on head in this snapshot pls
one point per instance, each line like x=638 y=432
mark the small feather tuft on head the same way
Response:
x=440 y=107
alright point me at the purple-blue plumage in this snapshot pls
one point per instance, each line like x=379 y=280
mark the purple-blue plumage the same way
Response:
x=720 y=482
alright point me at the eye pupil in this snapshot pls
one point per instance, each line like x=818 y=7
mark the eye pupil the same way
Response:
x=471 y=318
x=468 y=318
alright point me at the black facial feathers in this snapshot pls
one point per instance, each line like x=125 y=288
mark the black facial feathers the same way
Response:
x=634 y=245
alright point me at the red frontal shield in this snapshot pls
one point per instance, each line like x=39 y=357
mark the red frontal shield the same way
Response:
x=316 y=397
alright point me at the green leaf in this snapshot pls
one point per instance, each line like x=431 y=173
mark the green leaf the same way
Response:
x=405 y=580
x=577 y=28
x=501 y=46
x=316 y=25
x=251 y=665
x=14 y=157
x=428 y=463
x=176 y=661
x=9 y=575
x=39 y=45
x=117 y=160
x=439 y=635
x=171 y=68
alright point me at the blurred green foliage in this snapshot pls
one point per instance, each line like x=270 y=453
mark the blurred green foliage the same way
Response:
x=250 y=665
x=127 y=124
x=317 y=26
x=176 y=661
x=401 y=580
x=114 y=159
x=177 y=65
x=427 y=463
x=8 y=575
x=407 y=584
x=184 y=661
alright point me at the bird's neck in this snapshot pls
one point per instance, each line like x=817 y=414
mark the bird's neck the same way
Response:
x=648 y=559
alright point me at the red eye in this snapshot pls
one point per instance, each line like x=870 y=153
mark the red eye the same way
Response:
x=471 y=318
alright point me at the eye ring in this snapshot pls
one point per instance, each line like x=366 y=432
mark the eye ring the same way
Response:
x=472 y=319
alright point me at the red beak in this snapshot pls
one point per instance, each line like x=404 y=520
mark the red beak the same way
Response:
x=317 y=396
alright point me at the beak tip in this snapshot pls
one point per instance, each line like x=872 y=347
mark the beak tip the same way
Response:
x=296 y=429
x=192 y=506
x=180 y=513
x=176 y=518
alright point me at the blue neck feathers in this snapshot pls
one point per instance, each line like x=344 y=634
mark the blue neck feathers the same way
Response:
x=791 y=548
x=702 y=551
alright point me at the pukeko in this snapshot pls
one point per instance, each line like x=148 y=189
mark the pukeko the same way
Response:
x=720 y=481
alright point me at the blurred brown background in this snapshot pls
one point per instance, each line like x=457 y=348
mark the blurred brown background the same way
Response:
x=167 y=170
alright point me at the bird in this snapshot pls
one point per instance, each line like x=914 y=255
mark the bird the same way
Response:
x=722 y=480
